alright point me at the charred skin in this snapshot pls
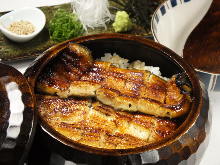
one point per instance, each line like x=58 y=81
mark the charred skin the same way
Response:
x=99 y=125
x=69 y=66
x=74 y=73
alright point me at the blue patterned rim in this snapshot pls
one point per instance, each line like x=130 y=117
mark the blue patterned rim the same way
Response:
x=162 y=10
x=210 y=80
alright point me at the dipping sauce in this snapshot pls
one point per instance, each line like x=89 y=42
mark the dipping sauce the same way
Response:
x=21 y=27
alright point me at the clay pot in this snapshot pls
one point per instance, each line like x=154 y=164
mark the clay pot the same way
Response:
x=178 y=147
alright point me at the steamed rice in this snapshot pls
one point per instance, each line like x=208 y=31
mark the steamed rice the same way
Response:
x=120 y=62
x=116 y=60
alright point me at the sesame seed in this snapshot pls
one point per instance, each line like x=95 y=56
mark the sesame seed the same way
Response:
x=21 y=27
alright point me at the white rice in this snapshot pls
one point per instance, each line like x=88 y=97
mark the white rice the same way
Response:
x=120 y=62
x=116 y=60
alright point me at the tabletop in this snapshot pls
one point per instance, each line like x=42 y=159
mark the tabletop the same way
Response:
x=212 y=151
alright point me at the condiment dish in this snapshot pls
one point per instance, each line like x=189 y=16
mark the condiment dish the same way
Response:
x=33 y=15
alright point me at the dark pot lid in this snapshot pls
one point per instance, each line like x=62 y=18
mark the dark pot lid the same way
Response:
x=17 y=119
x=201 y=49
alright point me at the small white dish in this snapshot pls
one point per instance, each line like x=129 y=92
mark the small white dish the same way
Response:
x=31 y=14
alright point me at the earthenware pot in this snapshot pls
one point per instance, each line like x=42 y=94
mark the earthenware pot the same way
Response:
x=181 y=146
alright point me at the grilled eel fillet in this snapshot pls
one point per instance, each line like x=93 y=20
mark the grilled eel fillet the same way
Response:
x=124 y=89
x=99 y=125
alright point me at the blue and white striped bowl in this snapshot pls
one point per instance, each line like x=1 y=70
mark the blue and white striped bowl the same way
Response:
x=171 y=25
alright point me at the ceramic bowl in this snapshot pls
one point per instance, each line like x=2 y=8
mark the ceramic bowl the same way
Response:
x=171 y=150
x=33 y=15
x=171 y=25
x=174 y=20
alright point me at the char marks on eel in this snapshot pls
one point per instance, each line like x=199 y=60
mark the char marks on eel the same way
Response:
x=74 y=73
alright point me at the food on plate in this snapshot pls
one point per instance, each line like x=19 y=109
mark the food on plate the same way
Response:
x=122 y=22
x=98 y=16
x=139 y=10
x=21 y=27
x=74 y=73
x=64 y=26
x=92 y=13
x=92 y=123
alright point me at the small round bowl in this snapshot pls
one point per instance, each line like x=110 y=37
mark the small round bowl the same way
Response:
x=171 y=150
x=33 y=15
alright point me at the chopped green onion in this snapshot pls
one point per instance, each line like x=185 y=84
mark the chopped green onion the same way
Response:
x=64 y=26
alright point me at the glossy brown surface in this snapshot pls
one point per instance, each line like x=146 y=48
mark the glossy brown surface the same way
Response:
x=95 y=124
x=202 y=47
x=172 y=149
x=73 y=73
x=17 y=119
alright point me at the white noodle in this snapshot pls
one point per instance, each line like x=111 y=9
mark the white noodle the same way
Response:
x=92 y=13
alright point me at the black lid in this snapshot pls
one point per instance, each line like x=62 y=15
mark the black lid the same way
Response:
x=17 y=119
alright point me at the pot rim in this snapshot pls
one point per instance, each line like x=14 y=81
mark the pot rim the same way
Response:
x=33 y=71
